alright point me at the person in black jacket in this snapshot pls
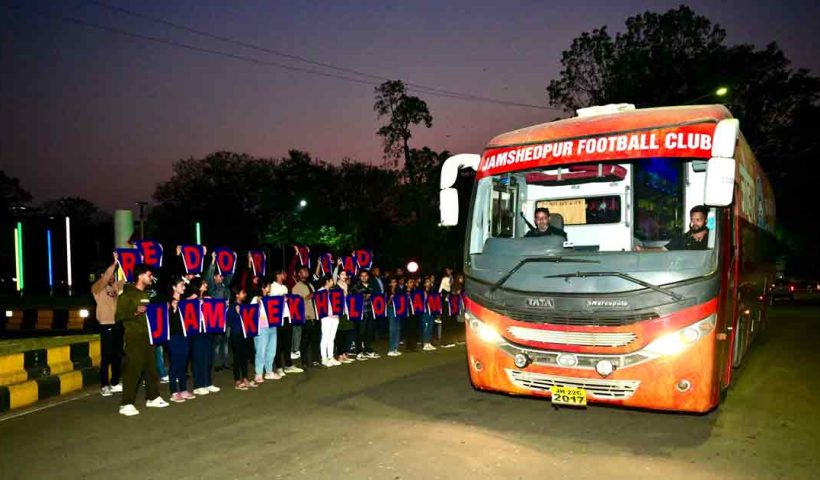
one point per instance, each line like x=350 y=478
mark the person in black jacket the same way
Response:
x=366 y=328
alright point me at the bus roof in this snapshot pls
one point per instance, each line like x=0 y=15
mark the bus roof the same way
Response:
x=633 y=120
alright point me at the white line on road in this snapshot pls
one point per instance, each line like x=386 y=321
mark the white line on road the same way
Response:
x=43 y=407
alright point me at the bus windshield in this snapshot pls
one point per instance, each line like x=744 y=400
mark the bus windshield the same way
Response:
x=630 y=217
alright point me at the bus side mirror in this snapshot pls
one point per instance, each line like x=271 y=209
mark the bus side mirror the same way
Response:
x=720 y=182
x=449 y=171
x=448 y=206
x=448 y=197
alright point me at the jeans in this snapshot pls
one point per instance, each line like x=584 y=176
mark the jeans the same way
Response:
x=296 y=338
x=221 y=354
x=265 y=344
x=159 y=351
x=365 y=333
x=283 y=344
x=239 y=348
x=110 y=353
x=329 y=326
x=178 y=349
x=202 y=359
x=426 y=327
x=311 y=332
x=394 y=324
x=344 y=341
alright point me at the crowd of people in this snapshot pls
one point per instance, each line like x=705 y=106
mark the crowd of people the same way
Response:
x=277 y=350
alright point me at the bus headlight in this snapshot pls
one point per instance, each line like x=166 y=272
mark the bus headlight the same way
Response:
x=485 y=332
x=678 y=341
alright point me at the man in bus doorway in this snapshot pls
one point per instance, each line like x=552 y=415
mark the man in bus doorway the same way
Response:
x=697 y=238
x=542 y=225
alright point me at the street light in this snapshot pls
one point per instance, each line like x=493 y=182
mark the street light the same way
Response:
x=719 y=92
x=302 y=203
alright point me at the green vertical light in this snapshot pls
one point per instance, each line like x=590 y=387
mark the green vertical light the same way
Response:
x=198 y=234
x=19 y=251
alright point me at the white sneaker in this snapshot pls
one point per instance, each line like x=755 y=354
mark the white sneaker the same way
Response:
x=202 y=390
x=156 y=403
x=129 y=410
x=449 y=345
x=361 y=357
x=116 y=388
x=295 y=355
x=270 y=376
x=326 y=363
x=428 y=347
x=165 y=379
x=293 y=369
x=213 y=388
x=373 y=355
x=334 y=362
x=280 y=371
x=393 y=353
x=105 y=391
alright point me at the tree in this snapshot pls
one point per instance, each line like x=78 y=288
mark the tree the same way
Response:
x=403 y=112
x=679 y=57
x=79 y=209
x=12 y=195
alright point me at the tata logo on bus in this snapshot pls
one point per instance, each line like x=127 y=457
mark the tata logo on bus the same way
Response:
x=607 y=304
x=540 y=302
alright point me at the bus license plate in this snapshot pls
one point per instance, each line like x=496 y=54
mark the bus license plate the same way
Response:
x=573 y=396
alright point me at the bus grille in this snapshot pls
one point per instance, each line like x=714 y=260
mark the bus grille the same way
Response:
x=600 y=388
x=590 y=339
x=558 y=317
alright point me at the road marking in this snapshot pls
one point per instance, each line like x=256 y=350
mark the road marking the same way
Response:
x=49 y=405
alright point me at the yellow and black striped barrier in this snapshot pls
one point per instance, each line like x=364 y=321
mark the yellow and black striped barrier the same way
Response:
x=34 y=375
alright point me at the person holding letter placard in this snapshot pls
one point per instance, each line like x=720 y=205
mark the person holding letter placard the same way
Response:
x=139 y=354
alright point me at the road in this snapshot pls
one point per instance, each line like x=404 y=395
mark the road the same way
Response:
x=416 y=417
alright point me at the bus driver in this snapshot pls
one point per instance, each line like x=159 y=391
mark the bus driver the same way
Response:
x=542 y=225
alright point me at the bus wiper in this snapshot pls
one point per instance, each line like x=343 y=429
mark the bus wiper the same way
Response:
x=678 y=298
x=536 y=260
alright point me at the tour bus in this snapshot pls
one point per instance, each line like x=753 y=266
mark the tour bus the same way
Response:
x=609 y=314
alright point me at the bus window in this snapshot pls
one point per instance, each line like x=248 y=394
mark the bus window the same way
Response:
x=585 y=210
x=505 y=193
x=659 y=207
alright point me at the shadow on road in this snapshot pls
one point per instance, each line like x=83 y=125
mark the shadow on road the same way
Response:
x=447 y=397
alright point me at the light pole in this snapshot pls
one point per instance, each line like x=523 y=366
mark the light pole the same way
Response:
x=142 y=219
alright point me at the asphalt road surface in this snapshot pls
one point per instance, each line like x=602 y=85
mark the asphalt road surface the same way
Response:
x=416 y=417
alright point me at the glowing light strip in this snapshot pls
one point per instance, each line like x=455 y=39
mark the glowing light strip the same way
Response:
x=50 y=260
x=68 y=248
x=198 y=234
x=17 y=267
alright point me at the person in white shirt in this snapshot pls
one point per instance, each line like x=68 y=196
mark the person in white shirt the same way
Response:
x=284 y=363
x=330 y=324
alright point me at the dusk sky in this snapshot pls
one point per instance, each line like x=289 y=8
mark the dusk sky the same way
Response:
x=89 y=113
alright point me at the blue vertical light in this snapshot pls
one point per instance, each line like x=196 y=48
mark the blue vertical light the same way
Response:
x=50 y=262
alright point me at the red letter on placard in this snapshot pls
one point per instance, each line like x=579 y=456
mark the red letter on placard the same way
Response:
x=128 y=260
x=249 y=319
x=337 y=298
x=193 y=257
x=225 y=261
x=149 y=254
x=214 y=316
x=190 y=317
x=378 y=304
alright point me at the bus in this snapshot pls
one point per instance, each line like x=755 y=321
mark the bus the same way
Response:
x=609 y=314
